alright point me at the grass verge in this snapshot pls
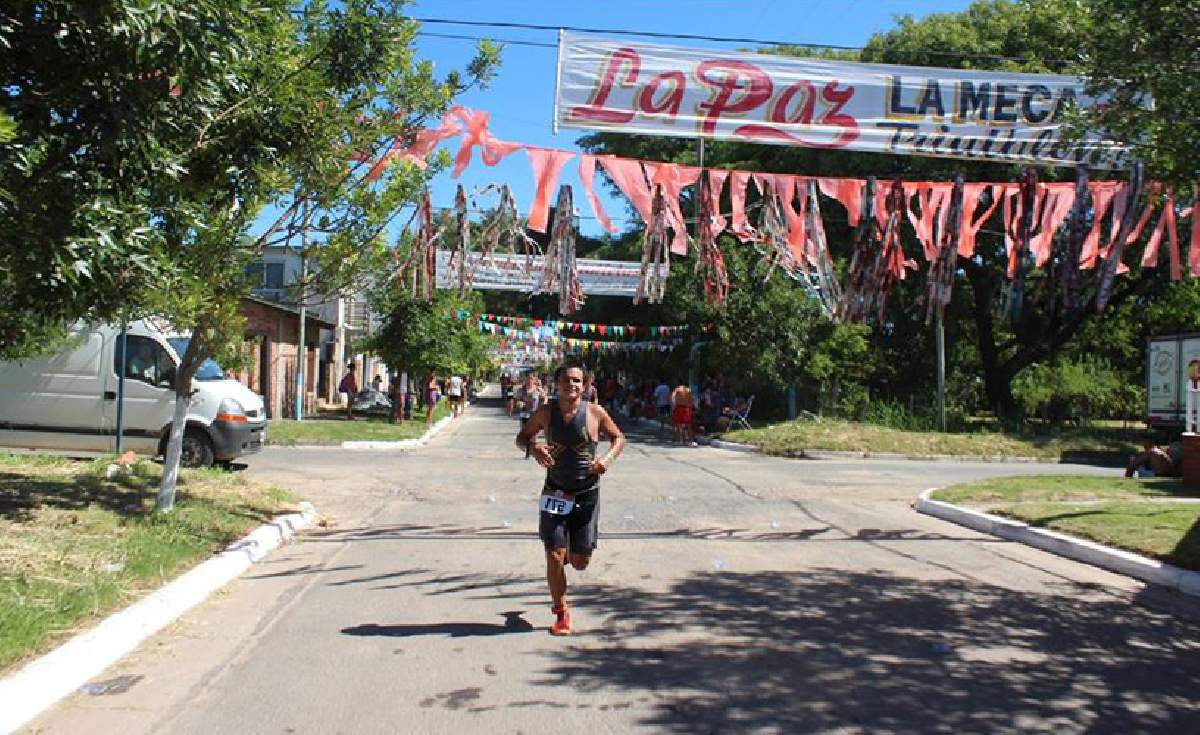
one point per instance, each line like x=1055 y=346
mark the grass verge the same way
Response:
x=793 y=437
x=75 y=546
x=331 y=430
x=1135 y=515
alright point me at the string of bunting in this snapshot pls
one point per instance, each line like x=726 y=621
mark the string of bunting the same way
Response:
x=559 y=325
x=534 y=337
x=790 y=233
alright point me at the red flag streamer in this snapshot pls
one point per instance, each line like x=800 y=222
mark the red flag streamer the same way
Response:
x=460 y=249
x=1072 y=259
x=890 y=262
x=828 y=290
x=655 y=254
x=670 y=178
x=587 y=174
x=1108 y=270
x=560 y=272
x=547 y=165
x=1019 y=239
x=503 y=229
x=941 y=273
x=771 y=238
x=1167 y=223
x=420 y=265
x=1194 y=246
x=855 y=298
x=476 y=133
x=969 y=228
x=878 y=261
x=737 y=203
x=710 y=264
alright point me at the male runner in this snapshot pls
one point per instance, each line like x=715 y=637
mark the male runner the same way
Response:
x=570 y=497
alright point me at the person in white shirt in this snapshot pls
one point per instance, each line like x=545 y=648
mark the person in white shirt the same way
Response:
x=662 y=402
x=454 y=394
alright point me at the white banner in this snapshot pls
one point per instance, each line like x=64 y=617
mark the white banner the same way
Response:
x=506 y=272
x=921 y=111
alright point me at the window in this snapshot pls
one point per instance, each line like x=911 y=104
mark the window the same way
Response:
x=146 y=361
x=254 y=274
x=273 y=275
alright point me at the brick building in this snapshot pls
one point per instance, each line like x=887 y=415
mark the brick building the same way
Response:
x=270 y=340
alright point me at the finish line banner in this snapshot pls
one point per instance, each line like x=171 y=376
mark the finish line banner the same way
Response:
x=508 y=272
x=625 y=87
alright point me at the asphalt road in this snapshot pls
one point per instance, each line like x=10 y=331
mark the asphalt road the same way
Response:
x=730 y=593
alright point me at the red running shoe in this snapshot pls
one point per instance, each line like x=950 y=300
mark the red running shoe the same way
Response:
x=562 y=621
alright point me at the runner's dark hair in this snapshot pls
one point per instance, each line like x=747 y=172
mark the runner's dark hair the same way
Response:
x=567 y=365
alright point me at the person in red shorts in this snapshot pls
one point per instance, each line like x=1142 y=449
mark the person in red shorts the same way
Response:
x=681 y=414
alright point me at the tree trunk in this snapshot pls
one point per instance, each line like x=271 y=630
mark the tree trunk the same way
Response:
x=997 y=378
x=170 y=475
x=188 y=364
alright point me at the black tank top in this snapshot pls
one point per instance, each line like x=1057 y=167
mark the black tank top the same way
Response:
x=573 y=450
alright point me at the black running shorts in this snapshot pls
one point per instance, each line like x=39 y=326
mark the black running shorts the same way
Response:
x=578 y=530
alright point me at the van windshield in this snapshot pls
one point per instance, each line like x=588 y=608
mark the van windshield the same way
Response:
x=209 y=369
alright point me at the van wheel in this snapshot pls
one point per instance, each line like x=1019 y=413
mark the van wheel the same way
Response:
x=197 y=450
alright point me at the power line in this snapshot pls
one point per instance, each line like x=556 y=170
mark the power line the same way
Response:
x=506 y=41
x=698 y=37
x=625 y=32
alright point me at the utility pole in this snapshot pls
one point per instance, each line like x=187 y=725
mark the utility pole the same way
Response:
x=121 y=379
x=300 y=352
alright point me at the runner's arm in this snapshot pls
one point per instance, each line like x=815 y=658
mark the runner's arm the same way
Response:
x=537 y=422
x=616 y=440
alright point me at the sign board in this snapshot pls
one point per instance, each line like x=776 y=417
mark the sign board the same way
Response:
x=1162 y=387
x=920 y=111
x=508 y=272
x=1169 y=362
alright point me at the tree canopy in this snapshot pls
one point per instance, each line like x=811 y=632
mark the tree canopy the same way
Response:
x=987 y=345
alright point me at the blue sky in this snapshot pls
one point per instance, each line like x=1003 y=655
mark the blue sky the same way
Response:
x=521 y=97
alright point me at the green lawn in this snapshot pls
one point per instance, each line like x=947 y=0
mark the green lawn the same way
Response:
x=1135 y=515
x=75 y=546
x=333 y=429
x=793 y=437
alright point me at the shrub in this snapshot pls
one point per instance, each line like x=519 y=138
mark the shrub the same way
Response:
x=1075 y=390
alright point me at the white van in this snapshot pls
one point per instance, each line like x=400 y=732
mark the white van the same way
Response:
x=68 y=400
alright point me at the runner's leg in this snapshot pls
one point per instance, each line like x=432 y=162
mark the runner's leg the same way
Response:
x=556 y=576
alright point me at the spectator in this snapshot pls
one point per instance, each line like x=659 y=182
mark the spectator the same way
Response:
x=455 y=394
x=431 y=397
x=1153 y=461
x=589 y=393
x=681 y=414
x=662 y=402
x=349 y=386
x=610 y=394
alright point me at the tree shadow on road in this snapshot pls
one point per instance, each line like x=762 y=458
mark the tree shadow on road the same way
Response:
x=513 y=623
x=802 y=651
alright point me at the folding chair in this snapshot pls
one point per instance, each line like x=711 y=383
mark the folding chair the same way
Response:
x=742 y=418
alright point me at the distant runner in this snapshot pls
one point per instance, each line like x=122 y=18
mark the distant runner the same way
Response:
x=681 y=414
x=570 y=502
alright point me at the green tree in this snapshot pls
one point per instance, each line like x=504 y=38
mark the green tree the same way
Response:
x=1042 y=36
x=417 y=335
x=1136 y=49
x=166 y=132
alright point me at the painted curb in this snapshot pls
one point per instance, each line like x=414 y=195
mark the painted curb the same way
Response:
x=731 y=446
x=847 y=454
x=403 y=443
x=1088 y=552
x=42 y=682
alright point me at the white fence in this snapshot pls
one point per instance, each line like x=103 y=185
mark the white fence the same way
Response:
x=1191 y=411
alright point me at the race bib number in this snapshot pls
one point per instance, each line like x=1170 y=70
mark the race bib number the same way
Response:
x=557 y=504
